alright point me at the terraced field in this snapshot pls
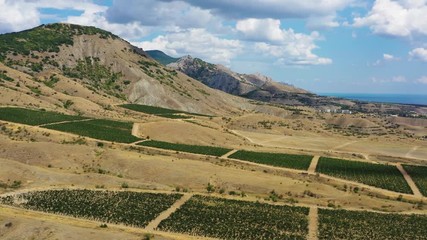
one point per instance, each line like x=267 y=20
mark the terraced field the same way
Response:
x=377 y=175
x=301 y=162
x=107 y=130
x=354 y=225
x=162 y=112
x=232 y=219
x=129 y=208
x=419 y=175
x=34 y=117
x=205 y=150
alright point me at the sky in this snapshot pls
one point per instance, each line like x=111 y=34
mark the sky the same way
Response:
x=325 y=46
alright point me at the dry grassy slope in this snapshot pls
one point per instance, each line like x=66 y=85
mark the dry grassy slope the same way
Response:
x=21 y=93
x=347 y=121
x=183 y=93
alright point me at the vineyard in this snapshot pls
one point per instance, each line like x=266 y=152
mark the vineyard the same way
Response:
x=162 y=112
x=353 y=225
x=233 y=219
x=107 y=130
x=34 y=117
x=301 y=162
x=129 y=208
x=419 y=175
x=205 y=150
x=377 y=175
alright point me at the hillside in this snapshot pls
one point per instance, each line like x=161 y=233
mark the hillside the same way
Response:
x=91 y=64
x=161 y=57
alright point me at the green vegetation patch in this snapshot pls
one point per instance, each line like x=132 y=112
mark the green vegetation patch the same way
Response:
x=419 y=175
x=99 y=76
x=34 y=117
x=45 y=38
x=4 y=76
x=275 y=159
x=107 y=130
x=129 y=208
x=163 y=112
x=377 y=175
x=232 y=219
x=354 y=225
x=205 y=150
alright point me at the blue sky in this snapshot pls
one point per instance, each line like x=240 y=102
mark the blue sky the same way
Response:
x=335 y=46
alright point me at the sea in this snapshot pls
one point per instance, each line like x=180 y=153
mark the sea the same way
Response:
x=416 y=99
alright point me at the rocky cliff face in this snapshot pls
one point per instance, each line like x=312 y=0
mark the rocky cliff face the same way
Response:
x=253 y=86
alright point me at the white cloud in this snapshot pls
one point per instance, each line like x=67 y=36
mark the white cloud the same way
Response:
x=130 y=30
x=419 y=54
x=395 y=79
x=241 y=9
x=389 y=57
x=196 y=42
x=161 y=13
x=261 y=29
x=398 y=79
x=12 y=18
x=400 y=18
x=328 y=21
x=422 y=80
x=288 y=47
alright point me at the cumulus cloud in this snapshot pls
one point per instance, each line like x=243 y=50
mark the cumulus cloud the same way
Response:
x=241 y=9
x=399 y=18
x=419 y=54
x=196 y=42
x=389 y=57
x=130 y=30
x=288 y=47
x=12 y=18
x=328 y=21
x=160 y=13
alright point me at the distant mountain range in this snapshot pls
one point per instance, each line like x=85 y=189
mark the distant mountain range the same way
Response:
x=253 y=86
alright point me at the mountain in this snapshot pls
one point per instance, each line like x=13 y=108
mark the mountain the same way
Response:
x=94 y=69
x=253 y=86
x=161 y=57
